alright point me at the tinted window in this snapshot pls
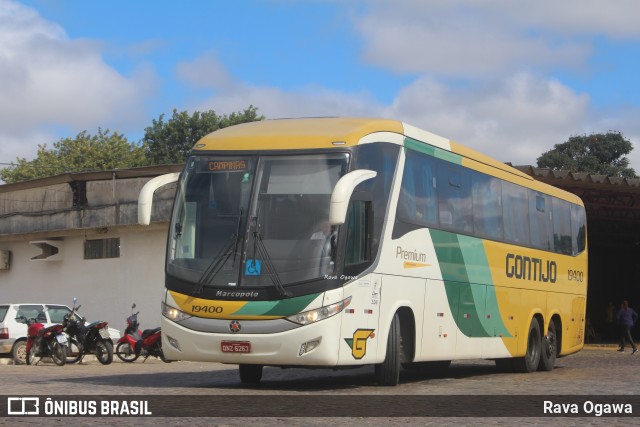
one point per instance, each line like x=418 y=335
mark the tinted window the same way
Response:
x=471 y=202
x=540 y=221
x=515 y=213
x=418 y=200
x=487 y=206
x=57 y=313
x=35 y=311
x=3 y=312
x=381 y=158
x=454 y=198
x=562 y=227
x=578 y=229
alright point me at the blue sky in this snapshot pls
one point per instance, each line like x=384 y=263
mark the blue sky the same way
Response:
x=507 y=78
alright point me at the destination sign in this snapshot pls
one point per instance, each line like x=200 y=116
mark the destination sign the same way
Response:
x=227 y=165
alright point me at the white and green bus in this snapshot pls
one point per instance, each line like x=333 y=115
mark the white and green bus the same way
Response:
x=338 y=242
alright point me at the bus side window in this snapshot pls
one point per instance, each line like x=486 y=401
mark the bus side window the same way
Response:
x=454 y=198
x=578 y=229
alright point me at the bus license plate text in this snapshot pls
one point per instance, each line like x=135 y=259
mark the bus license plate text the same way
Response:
x=235 y=347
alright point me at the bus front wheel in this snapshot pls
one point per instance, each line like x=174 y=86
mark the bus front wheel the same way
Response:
x=388 y=372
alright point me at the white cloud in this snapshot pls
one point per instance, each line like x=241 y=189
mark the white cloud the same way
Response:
x=514 y=120
x=478 y=39
x=51 y=80
x=235 y=95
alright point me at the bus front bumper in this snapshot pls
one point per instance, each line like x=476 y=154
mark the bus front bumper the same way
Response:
x=317 y=344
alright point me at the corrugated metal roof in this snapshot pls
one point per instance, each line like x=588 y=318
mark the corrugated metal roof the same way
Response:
x=612 y=203
x=140 y=172
x=561 y=178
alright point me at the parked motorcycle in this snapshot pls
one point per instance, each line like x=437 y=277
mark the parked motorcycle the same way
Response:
x=45 y=342
x=135 y=343
x=87 y=339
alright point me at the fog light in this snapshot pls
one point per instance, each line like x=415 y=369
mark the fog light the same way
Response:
x=309 y=346
x=173 y=342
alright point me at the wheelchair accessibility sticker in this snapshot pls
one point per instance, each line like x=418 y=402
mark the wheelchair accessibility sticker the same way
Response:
x=253 y=267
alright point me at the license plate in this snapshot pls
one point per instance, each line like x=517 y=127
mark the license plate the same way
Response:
x=235 y=346
x=62 y=339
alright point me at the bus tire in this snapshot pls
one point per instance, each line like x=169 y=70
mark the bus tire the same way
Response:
x=530 y=361
x=388 y=372
x=250 y=374
x=549 y=349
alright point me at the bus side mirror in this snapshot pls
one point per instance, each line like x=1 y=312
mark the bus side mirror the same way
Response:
x=342 y=193
x=145 y=198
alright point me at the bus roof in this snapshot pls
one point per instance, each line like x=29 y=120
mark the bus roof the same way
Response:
x=332 y=132
x=284 y=134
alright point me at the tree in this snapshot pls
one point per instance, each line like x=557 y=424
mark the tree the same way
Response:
x=85 y=152
x=602 y=154
x=171 y=141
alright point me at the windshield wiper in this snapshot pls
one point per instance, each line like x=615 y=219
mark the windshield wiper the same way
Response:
x=216 y=264
x=260 y=247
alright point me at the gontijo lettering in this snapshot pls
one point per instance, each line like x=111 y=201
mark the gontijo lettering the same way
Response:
x=527 y=268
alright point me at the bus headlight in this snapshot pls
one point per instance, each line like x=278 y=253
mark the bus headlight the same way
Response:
x=174 y=314
x=318 y=314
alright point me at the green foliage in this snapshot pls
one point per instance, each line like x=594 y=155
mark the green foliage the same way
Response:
x=602 y=154
x=171 y=141
x=85 y=152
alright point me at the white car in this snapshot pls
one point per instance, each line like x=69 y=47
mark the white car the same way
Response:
x=13 y=329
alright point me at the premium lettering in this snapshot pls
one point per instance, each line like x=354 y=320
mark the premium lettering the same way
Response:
x=527 y=268
x=410 y=255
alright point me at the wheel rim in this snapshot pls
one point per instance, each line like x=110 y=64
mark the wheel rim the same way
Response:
x=21 y=352
x=101 y=352
x=125 y=352
x=551 y=343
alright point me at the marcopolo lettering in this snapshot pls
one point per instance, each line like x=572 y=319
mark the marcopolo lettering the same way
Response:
x=528 y=268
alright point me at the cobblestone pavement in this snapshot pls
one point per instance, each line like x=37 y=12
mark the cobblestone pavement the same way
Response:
x=591 y=372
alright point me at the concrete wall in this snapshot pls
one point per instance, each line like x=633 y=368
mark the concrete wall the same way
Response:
x=106 y=288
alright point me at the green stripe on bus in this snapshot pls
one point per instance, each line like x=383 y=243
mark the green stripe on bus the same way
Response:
x=468 y=284
x=430 y=150
x=478 y=271
x=282 y=308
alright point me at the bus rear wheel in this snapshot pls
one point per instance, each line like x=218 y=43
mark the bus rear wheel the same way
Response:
x=388 y=372
x=250 y=374
x=531 y=359
x=549 y=349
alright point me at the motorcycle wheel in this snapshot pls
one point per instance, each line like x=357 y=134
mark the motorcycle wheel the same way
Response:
x=58 y=353
x=73 y=351
x=125 y=352
x=31 y=356
x=104 y=352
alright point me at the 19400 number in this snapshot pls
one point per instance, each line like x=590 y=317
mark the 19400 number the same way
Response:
x=576 y=275
x=206 y=309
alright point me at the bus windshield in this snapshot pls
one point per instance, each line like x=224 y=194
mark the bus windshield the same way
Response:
x=254 y=221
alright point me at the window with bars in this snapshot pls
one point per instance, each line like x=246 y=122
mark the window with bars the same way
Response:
x=102 y=248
